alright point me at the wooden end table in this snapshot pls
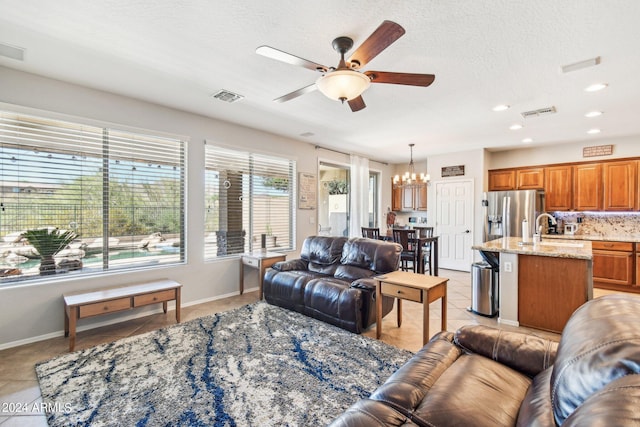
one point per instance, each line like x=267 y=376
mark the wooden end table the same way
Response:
x=412 y=287
x=261 y=260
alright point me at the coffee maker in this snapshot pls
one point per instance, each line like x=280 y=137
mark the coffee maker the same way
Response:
x=553 y=228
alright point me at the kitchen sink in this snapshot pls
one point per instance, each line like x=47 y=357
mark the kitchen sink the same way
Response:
x=562 y=244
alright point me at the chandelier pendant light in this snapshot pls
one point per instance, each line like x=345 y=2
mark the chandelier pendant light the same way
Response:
x=410 y=179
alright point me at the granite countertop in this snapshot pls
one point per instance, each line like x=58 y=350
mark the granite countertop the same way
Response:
x=551 y=249
x=628 y=237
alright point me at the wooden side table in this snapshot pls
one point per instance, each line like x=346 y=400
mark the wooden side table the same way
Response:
x=261 y=260
x=412 y=287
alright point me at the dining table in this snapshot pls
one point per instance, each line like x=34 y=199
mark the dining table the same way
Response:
x=421 y=242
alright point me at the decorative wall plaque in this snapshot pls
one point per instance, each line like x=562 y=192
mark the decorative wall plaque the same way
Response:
x=597 y=150
x=453 y=171
x=306 y=191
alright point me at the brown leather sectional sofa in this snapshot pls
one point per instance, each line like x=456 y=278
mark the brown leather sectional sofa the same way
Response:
x=482 y=376
x=332 y=280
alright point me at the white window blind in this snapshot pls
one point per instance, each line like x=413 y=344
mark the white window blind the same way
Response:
x=122 y=193
x=248 y=197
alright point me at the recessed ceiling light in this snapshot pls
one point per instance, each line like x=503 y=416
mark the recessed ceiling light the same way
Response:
x=527 y=140
x=596 y=87
x=593 y=131
x=593 y=114
x=501 y=107
x=515 y=126
x=307 y=134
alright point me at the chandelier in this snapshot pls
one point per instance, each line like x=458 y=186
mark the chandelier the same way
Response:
x=410 y=178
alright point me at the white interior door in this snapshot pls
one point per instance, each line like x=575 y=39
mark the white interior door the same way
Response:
x=454 y=223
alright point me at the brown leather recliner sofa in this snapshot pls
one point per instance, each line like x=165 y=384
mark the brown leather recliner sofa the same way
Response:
x=332 y=280
x=482 y=376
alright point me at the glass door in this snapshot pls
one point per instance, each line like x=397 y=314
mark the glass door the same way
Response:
x=333 y=200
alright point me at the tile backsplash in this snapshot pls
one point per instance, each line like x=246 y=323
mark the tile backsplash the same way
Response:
x=602 y=223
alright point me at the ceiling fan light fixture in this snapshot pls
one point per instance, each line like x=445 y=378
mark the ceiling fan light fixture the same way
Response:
x=343 y=85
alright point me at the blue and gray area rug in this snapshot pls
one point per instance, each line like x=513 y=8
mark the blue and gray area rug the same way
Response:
x=258 y=365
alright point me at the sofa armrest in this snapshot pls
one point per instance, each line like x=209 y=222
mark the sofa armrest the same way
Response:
x=365 y=284
x=525 y=353
x=290 y=265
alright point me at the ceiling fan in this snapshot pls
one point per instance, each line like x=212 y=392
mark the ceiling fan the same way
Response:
x=346 y=83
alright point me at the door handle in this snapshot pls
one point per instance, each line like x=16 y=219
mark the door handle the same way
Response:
x=467 y=231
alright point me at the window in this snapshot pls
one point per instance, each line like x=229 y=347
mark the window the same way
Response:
x=248 y=198
x=121 y=193
x=374 y=179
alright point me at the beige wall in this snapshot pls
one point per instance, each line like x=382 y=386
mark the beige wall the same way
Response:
x=35 y=311
x=562 y=153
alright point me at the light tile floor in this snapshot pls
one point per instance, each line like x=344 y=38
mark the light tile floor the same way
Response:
x=20 y=393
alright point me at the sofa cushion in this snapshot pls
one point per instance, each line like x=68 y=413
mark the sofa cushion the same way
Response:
x=374 y=255
x=322 y=250
x=536 y=407
x=286 y=288
x=334 y=301
x=600 y=343
x=616 y=404
x=474 y=391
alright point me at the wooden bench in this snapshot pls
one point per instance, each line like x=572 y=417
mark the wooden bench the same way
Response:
x=80 y=305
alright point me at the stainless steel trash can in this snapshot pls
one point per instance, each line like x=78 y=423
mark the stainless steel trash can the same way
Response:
x=484 y=289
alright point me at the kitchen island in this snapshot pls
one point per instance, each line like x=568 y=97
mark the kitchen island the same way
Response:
x=541 y=285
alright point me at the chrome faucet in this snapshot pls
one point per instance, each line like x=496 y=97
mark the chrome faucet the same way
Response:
x=537 y=235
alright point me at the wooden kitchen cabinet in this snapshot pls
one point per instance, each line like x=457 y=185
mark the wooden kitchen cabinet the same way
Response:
x=613 y=264
x=620 y=185
x=558 y=188
x=637 y=278
x=502 y=180
x=396 y=197
x=409 y=198
x=587 y=187
x=530 y=179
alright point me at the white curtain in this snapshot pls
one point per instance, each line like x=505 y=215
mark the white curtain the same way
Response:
x=359 y=193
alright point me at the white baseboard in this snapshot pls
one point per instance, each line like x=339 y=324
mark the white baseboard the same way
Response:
x=508 y=322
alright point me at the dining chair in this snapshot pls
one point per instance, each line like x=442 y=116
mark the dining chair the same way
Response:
x=407 y=238
x=371 y=232
x=426 y=249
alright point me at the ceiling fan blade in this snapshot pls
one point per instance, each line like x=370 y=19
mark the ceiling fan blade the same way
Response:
x=279 y=55
x=296 y=93
x=387 y=33
x=357 y=104
x=409 y=79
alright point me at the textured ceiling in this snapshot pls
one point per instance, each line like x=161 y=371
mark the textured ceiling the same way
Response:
x=483 y=53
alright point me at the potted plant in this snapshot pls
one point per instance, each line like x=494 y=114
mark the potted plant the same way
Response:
x=48 y=242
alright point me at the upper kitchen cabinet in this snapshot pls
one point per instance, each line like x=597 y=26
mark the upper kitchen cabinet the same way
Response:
x=502 y=180
x=587 y=187
x=558 y=188
x=530 y=179
x=409 y=198
x=396 y=198
x=620 y=185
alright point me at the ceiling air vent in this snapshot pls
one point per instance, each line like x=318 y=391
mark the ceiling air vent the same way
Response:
x=227 y=96
x=539 y=112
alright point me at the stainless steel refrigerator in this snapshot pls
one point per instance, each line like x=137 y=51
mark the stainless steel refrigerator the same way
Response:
x=503 y=215
x=505 y=210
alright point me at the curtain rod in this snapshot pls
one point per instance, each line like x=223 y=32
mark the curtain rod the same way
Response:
x=348 y=154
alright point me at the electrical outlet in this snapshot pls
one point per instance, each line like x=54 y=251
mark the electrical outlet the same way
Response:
x=508 y=268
